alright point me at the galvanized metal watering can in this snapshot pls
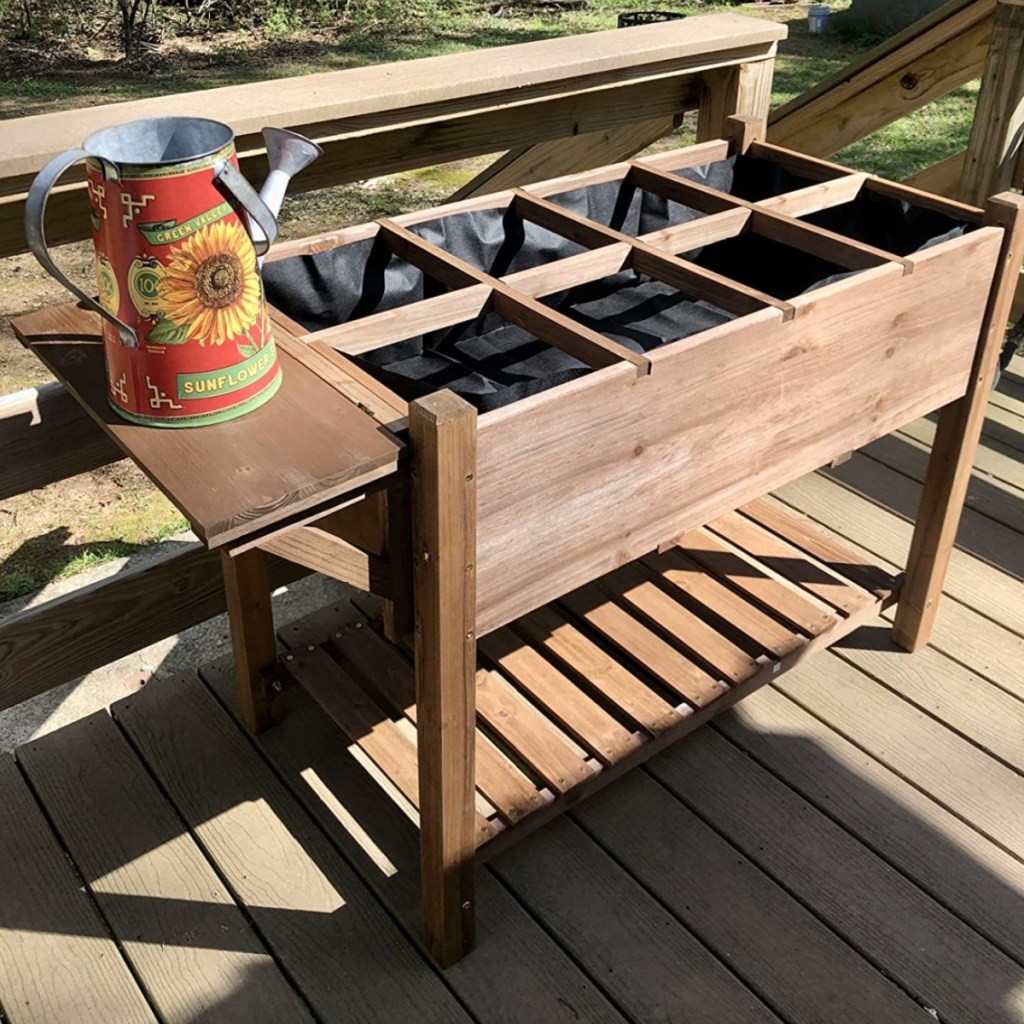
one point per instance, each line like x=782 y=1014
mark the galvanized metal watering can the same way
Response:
x=179 y=236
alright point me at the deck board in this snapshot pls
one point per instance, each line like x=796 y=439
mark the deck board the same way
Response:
x=944 y=855
x=983 y=587
x=57 y=960
x=190 y=945
x=651 y=964
x=514 y=956
x=796 y=963
x=337 y=944
x=847 y=844
x=930 y=952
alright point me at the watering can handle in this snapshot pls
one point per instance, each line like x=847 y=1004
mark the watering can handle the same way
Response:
x=263 y=223
x=35 y=211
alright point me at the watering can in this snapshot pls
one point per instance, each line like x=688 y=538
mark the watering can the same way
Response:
x=179 y=235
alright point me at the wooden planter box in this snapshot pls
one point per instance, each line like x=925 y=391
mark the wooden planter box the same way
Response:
x=586 y=590
x=586 y=568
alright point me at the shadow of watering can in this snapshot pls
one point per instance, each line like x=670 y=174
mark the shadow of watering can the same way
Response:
x=180 y=236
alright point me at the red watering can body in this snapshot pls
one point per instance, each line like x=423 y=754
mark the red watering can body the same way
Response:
x=177 y=232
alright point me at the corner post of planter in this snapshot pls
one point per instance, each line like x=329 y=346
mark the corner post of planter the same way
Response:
x=442 y=442
x=743 y=130
x=956 y=443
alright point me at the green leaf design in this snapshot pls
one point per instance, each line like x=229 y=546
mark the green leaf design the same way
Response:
x=166 y=332
x=246 y=350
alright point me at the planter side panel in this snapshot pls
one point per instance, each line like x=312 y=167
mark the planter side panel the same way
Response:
x=589 y=476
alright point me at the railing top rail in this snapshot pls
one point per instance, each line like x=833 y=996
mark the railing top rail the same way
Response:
x=331 y=99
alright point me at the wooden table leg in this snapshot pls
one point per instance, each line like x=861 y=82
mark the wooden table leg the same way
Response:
x=251 y=615
x=442 y=436
x=955 y=445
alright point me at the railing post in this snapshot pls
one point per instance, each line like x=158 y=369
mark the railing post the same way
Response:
x=442 y=443
x=997 y=135
x=955 y=445
x=744 y=89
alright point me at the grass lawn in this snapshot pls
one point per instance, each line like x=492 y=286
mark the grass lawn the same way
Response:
x=107 y=514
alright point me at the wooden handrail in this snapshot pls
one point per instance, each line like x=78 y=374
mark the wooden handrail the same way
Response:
x=415 y=113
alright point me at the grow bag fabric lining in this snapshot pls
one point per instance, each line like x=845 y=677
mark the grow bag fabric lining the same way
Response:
x=491 y=362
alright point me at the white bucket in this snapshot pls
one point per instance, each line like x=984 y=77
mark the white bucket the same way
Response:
x=817 y=19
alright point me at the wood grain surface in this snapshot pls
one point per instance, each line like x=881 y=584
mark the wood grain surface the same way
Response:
x=232 y=478
x=58 y=963
x=190 y=946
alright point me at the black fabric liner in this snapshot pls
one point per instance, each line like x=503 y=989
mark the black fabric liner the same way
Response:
x=491 y=362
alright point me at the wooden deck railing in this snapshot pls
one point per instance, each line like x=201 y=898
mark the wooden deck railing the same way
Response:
x=556 y=106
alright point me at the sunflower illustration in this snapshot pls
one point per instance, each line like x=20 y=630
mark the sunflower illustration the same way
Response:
x=210 y=284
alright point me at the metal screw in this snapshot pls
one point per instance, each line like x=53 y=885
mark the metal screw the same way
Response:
x=425 y=556
x=469 y=568
x=909 y=81
x=469 y=477
x=466 y=905
x=276 y=685
x=469 y=635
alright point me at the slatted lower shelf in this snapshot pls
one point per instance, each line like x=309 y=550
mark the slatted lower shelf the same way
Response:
x=575 y=693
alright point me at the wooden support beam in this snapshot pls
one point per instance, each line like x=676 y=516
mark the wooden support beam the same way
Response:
x=46 y=436
x=943 y=178
x=928 y=60
x=996 y=143
x=107 y=620
x=743 y=130
x=253 y=641
x=388 y=118
x=956 y=441
x=398 y=611
x=324 y=552
x=442 y=440
x=570 y=155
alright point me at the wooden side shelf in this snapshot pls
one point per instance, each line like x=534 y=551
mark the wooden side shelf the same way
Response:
x=572 y=695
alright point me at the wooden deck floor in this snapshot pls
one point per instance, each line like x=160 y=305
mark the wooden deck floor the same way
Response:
x=845 y=846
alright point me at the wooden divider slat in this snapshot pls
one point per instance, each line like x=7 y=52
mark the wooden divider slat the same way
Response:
x=647 y=259
x=549 y=325
x=379 y=663
x=559 y=696
x=771 y=223
x=633 y=586
x=355 y=337
x=675 y=569
x=820 y=196
x=790 y=563
x=550 y=631
x=657 y=656
x=746 y=575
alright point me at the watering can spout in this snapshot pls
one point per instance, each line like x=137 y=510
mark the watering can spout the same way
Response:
x=288 y=153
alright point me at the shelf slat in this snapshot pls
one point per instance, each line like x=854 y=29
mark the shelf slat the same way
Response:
x=572 y=695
